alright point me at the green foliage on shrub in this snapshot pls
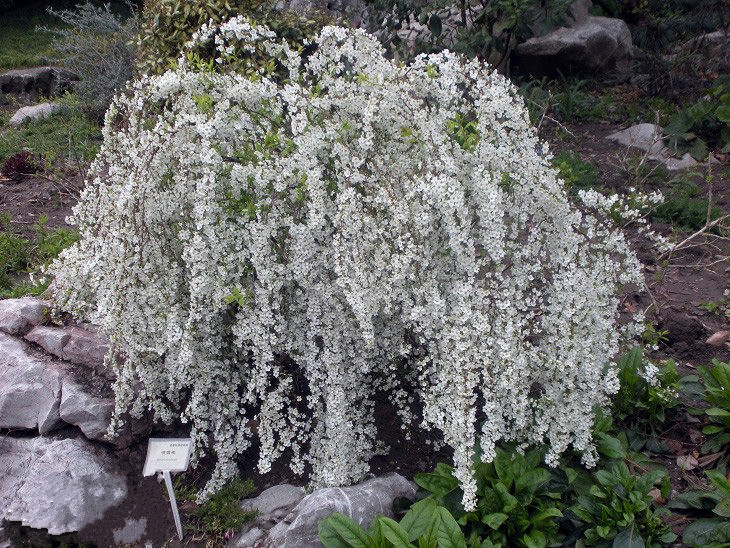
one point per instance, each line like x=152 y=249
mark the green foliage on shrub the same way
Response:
x=518 y=500
x=426 y=524
x=655 y=24
x=717 y=396
x=642 y=402
x=711 y=510
x=166 y=25
x=703 y=126
x=619 y=510
x=683 y=208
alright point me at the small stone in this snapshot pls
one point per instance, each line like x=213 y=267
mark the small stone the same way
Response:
x=132 y=531
x=74 y=344
x=37 y=80
x=719 y=338
x=18 y=316
x=646 y=137
x=591 y=45
x=33 y=112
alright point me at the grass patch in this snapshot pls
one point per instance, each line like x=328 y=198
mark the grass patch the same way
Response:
x=221 y=513
x=21 y=44
x=576 y=173
x=20 y=255
x=68 y=135
x=683 y=208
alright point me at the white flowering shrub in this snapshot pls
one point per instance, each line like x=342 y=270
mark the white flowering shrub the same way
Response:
x=269 y=254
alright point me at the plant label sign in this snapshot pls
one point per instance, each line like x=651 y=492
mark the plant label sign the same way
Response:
x=169 y=455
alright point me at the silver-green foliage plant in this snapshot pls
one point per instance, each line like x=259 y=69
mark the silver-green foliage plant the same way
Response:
x=97 y=45
x=284 y=249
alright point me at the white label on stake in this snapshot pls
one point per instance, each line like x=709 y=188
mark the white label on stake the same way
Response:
x=167 y=454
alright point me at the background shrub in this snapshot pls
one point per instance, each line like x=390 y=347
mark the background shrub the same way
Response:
x=99 y=46
x=166 y=25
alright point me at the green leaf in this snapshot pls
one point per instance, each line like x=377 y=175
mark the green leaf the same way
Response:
x=532 y=480
x=696 y=499
x=723 y=509
x=703 y=532
x=436 y=483
x=723 y=113
x=717 y=412
x=392 y=531
x=416 y=521
x=551 y=512
x=535 y=539
x=719 y=480
x=712 y=429
x=495 y=520
x=338 y=531
x=449 y=533
x=629 y=538
x=611 y=447
x=435 y=26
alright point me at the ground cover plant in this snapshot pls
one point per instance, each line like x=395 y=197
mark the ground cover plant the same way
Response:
x=376 y=249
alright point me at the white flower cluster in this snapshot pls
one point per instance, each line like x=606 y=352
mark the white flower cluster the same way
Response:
x=629 y=210
x=270 y=256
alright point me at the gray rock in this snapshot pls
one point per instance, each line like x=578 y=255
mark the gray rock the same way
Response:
x=247 y=539
x=33 y=112
x=38 y=80
x=274 y=498
x=59 y=485
x=91 y=414
x=648 y=137
x=73 y=344
x=592 y=45
x=361 y=502
x=30 y=387
x=132 y=532
x=18 y=316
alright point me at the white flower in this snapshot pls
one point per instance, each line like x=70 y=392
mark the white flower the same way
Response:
x=285 y=252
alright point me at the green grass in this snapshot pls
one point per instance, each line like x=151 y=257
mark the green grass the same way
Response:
x=576 y=173
x=684 y=209
x=20 y=255
x=68 y=135
x=21 y=44
x=219 y=514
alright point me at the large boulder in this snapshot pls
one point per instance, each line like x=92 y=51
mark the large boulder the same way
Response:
x=38 y=80
x=59 y=485
x=590 y=45
x=30 y=387
x=18 y=316
x=361 y=502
